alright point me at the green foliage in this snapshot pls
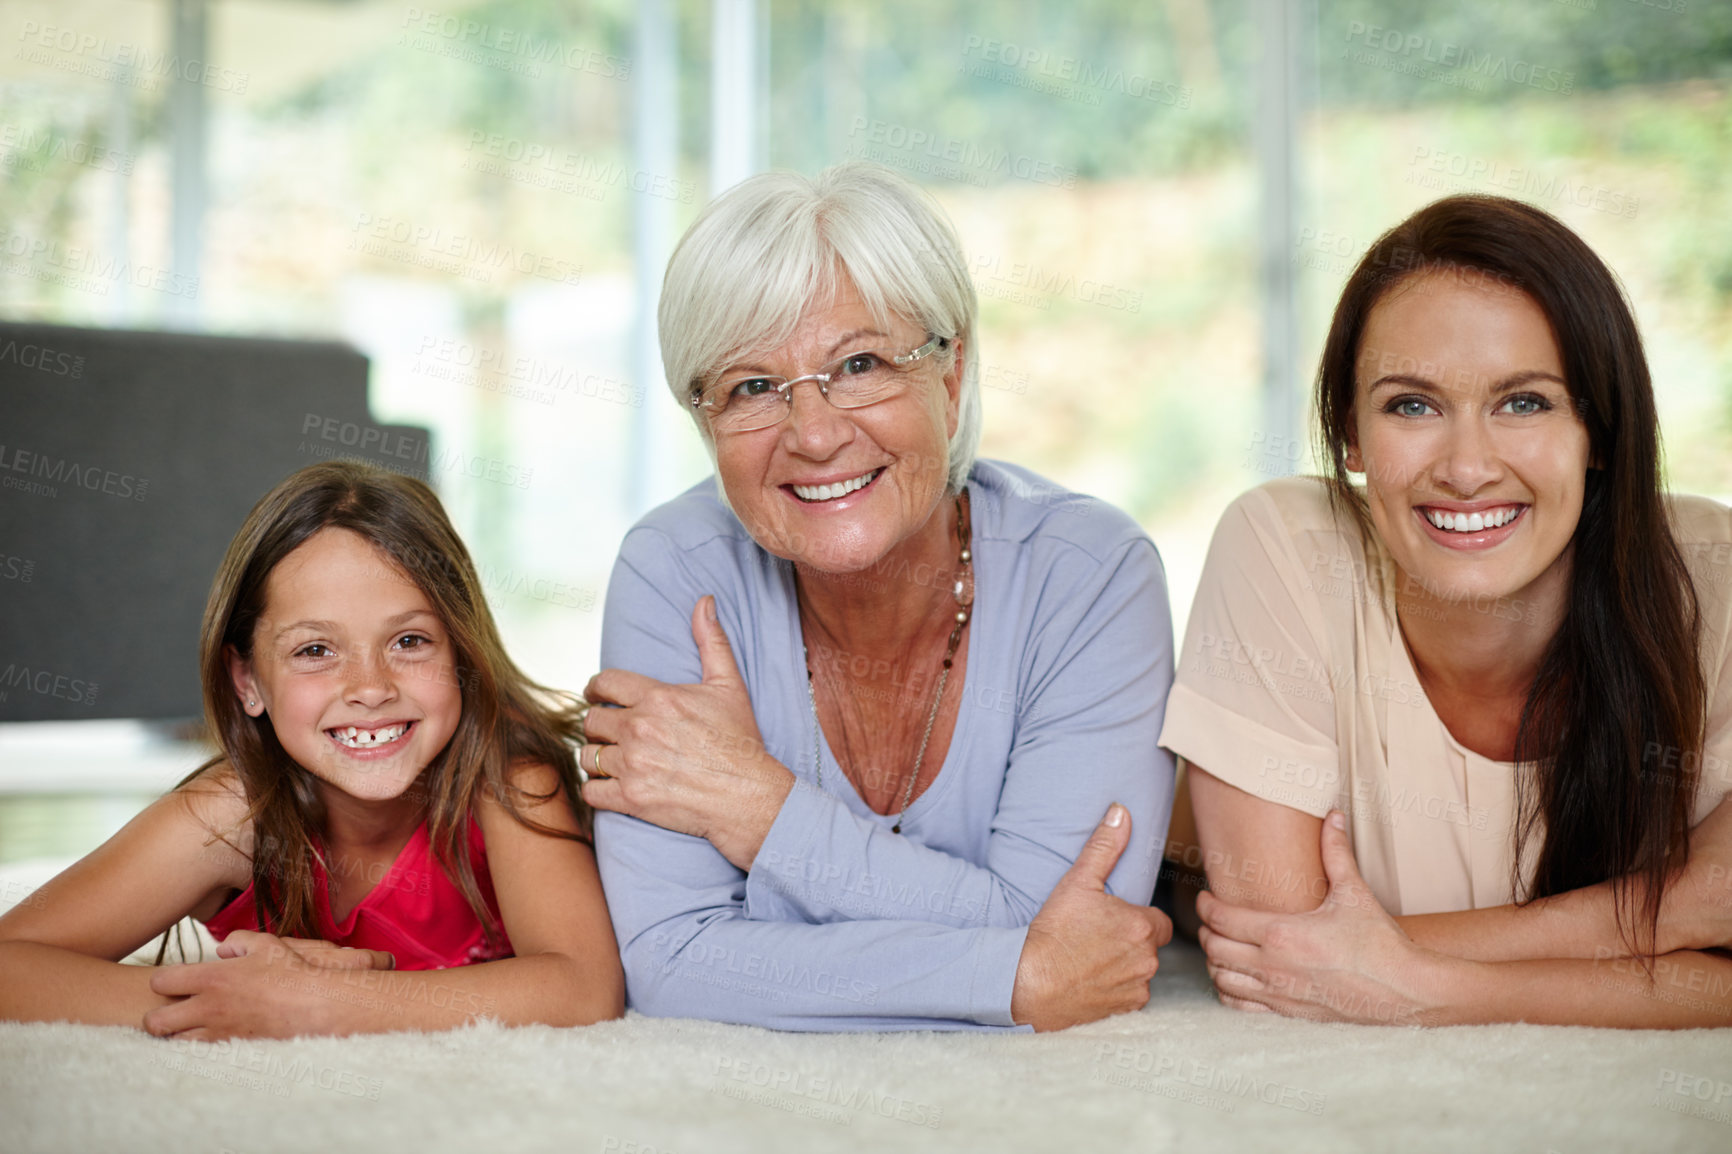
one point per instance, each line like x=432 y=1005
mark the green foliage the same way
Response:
x=1397 y=53
x=1100 y=89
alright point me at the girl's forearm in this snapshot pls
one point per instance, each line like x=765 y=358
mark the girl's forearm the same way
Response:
x=1688 y=989
x=41 y=983
x=546 y=989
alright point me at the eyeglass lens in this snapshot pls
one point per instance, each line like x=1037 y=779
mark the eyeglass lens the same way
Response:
x=856 y=380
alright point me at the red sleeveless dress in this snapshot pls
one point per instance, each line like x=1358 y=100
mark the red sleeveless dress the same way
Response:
x=415 y=912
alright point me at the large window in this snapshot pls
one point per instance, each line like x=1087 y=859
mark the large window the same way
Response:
x=480 y=196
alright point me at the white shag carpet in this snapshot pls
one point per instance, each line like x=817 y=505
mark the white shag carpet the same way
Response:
x=1185 y=1073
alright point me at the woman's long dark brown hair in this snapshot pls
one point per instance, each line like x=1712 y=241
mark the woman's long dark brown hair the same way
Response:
x=1619 y=698
x=506 y=718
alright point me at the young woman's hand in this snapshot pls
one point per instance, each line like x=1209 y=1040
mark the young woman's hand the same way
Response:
x=1088 y=954
x=1697 y=914
x=688 y=758
x=1345 y=961
x=263 y=986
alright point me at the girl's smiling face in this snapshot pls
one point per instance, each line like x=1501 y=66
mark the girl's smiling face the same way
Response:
x=1475 y=459
x=353 y=666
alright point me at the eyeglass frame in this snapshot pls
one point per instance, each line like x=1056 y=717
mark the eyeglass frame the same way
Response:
x=933 y=344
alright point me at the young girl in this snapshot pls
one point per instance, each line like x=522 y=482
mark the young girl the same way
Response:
x=392 y=794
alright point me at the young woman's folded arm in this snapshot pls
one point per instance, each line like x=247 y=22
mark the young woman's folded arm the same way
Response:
x=1286 y=934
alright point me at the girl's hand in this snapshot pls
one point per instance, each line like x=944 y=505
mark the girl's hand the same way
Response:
x=1346 y=961
x=313 y=951
x=688 y=758
x=1088 y=954
x=264 y=987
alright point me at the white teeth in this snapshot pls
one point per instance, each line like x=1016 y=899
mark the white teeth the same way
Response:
x=831 y=492
x=1472 y=522
x=356 y=738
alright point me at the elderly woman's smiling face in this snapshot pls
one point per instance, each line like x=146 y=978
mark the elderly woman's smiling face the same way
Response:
x=890 y=457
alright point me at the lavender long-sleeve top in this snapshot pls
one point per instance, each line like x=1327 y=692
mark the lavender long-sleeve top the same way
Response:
x=842 y=924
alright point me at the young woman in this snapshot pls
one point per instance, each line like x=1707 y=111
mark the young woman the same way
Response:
x=1503 y=659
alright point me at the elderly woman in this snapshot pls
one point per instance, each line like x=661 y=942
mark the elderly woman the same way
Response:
x=1506 y=657
x=899 y=798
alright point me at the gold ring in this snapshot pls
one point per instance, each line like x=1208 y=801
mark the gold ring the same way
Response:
x=597 y=771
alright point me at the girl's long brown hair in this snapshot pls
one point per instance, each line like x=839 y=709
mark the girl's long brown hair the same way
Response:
x=506 y=718
x=1620 y=696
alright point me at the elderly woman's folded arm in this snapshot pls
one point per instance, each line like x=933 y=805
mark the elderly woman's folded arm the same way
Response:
x=917 y=937
x=1090 y=714
x=692 y=948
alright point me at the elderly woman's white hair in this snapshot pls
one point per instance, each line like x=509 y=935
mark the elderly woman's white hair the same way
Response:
x=763 y=252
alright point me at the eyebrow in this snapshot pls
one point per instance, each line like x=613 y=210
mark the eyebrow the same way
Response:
x=854 y=336
x=332 y=626
x=840 y=341
x=1513 y=381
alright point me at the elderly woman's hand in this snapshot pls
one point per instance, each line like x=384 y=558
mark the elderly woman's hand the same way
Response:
x=688 y=758
x=1088 y=954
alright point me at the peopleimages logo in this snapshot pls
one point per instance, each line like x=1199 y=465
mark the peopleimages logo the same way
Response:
x=1069 y=76
x=85 y=269
x=521 y=49
x=47 y=683
x=840 y=1096
x=1444 y=171
x=1033 y=284
x=948 y=157
x=443 y=250
x=102 y=55
x=29 y=148
x=548 y=166
x=26 y=355
x=51 y=470
x=1468 y=68
x=416 y=450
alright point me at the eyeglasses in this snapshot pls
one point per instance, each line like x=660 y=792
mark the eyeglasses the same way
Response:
x=743 y=402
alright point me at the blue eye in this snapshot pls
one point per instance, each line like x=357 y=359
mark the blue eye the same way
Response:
x=1527 y=404
x=1408 y=407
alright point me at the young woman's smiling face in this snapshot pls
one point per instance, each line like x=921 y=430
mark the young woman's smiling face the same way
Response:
x=353 y=667
x=1475 y=459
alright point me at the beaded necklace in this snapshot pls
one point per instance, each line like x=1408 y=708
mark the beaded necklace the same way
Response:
x=963 y=591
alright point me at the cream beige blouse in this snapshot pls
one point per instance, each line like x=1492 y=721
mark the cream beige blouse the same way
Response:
x=1295 y=684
